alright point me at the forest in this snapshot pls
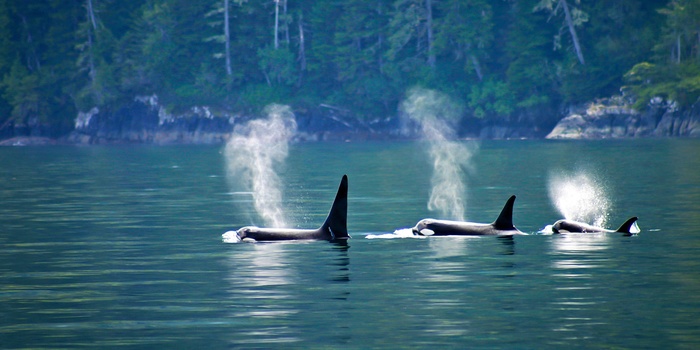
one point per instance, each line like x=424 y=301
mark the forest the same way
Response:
x=500 y=59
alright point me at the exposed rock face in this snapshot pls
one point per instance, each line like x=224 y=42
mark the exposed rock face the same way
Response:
x=613 y=119
x=145 y=121
x=679 y=124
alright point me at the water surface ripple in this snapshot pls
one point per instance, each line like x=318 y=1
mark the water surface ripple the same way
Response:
x=104 y=247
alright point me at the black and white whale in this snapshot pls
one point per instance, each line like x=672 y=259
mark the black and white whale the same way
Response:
x=568 y=226
x=334 y=228
x=503 y=226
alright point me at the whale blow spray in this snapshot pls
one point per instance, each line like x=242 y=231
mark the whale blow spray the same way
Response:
x=579 y=197
x=253 y=153
x=436 y=114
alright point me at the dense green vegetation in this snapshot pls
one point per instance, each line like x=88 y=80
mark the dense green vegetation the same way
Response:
x=500 y=58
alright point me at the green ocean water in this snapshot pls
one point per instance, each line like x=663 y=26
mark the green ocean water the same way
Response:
x=121 y=247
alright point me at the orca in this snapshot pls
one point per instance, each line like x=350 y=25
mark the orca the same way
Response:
x=628 y=228
x=333 y=229
x=503 y=226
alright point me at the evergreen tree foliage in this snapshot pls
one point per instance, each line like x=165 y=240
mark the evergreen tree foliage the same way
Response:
x=498 y=59
x=530 y=60
x=673 y=73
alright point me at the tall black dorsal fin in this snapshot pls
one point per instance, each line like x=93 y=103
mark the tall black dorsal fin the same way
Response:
x=626 y=228
x=505 y=219
x=337 y=220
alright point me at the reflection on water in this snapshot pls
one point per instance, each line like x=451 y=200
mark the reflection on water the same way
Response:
x=259 y=288
x=279 y=297
x=454 y=271
x=577 y=296
x=449 y=246
x=445 y=247
x=576 y=243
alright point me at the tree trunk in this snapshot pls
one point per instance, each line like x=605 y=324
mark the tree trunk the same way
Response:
x=380 y=58
x=572 y=30
x=477 y=67
x=91 y=17
x=277 y=23
x=429 y=27
x=92 y=71
x=286 y=23
x=227 y=37
x=678 y=48
x=91 y=14
x=302 y=51
x=380 y=42
x=31 y=52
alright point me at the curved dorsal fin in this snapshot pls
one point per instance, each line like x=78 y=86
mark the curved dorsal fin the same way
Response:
x=337 y=220
x=505 y=219
x=626 y=228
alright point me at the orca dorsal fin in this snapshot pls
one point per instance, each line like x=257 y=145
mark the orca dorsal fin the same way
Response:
x=337 y=220
x=626 y=228
x=505 y=219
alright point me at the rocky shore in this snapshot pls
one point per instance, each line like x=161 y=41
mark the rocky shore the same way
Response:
x=612 y=118
x=145 y=121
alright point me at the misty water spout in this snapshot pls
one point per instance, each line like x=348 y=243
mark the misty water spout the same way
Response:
x=580 y=197
x=437 y=115
x=253 y=154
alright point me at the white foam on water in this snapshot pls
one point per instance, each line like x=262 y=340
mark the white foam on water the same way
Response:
x=400 y=233
x=231 y=237
x=547 y=230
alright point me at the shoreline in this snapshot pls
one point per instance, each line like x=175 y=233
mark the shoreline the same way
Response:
x=40 y=141
x=147 y=123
